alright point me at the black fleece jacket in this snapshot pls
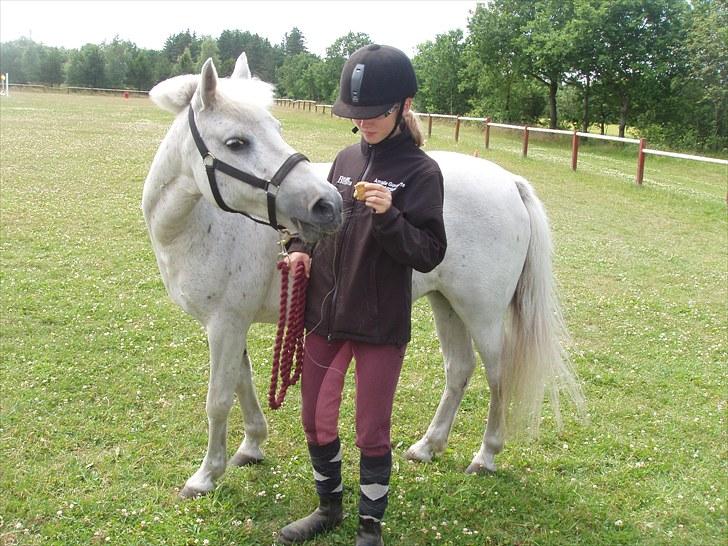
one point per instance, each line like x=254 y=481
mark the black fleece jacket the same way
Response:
x=360 y=286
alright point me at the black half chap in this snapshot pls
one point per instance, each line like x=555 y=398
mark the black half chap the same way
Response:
x=374 y=473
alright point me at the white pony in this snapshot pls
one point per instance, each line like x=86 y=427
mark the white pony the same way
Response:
x=494 y=288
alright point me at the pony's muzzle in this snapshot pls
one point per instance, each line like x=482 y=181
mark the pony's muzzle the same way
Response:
x=324 y=213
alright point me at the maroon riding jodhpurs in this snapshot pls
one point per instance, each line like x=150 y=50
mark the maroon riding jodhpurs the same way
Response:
x=376 y=374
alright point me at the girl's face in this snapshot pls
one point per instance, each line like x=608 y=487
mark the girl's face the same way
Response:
x=375 y=130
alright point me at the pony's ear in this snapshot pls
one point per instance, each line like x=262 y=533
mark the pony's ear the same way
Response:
x=174 y=94
x=208 y=84
x=241 y=68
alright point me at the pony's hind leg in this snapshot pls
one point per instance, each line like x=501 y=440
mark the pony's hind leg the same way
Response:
x=227 y=343
x=489 y=341
x=459 y=361
x=256 y=429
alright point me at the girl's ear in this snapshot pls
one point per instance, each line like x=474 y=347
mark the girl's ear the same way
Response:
x=407 y=105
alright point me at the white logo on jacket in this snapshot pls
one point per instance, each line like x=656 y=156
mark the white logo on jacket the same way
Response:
x=391 y=186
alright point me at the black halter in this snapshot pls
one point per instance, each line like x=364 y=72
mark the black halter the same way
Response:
x=270 y=186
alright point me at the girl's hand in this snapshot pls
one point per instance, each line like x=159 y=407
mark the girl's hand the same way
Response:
x=377 y=197
x=295 y=257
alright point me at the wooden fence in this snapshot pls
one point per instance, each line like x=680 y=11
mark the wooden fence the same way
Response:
x=126 y=93
x=576 y=136
x=311 y=105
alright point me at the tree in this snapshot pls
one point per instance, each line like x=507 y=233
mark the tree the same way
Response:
x=547 y=46
x=87 y=67
x=640 y=42
x=51 y=66
x=27 y=61
x=184 y=64
x=11 y=54
x=344 y=46
x=117 y=56
x=31 y=62
x=263 y=58
x=588 y=54
x=140 y=74
x=161 y=66
x=176 y=44
x=297 y=77
x=439 y=65
x=494 y=76
x=707 y=51
x=294 y=43
x=208 y=50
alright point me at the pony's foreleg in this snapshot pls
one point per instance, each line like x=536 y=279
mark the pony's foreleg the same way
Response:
x=256 y=429
x=489 y=341
x=459 y=360
x=227 y=343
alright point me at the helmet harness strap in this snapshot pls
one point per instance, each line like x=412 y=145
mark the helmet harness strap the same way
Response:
x=399 y=118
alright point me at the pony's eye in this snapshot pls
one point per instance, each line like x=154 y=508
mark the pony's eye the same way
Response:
x=236 y=143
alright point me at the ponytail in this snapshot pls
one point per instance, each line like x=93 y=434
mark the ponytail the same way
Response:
x=413 y=124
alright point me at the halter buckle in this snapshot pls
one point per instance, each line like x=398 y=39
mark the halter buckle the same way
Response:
x=208 y=160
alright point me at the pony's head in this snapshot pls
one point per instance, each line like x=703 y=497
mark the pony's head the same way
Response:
x=237 y=134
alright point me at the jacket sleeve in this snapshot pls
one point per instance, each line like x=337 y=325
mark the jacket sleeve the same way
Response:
x=415 y=235
x=297 y=245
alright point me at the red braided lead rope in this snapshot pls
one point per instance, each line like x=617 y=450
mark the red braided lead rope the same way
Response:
x=289 y=337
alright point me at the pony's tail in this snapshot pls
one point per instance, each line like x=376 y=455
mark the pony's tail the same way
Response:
x=534 y=360
x=413 y=124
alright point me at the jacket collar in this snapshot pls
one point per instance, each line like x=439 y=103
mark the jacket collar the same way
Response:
x=388 y=144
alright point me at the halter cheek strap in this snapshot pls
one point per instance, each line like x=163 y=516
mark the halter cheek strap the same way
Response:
x=271 y=186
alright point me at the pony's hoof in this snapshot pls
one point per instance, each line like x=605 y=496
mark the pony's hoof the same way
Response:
x=419 y=453
x=191 y=493
x=241 y=459
x=480 y=469
x=418 y=456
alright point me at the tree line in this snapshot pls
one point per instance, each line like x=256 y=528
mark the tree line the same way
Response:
x=659 y=67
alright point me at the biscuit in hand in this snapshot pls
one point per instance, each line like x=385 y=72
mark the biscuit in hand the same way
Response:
x=359 y=191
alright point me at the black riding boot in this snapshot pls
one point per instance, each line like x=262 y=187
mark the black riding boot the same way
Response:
x=327 y=516
x=326 y=461
x=369 y=533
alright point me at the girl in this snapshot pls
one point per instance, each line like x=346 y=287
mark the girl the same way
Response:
x=359 y=295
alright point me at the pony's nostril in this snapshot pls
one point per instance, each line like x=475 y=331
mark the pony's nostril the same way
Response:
x=323 y=211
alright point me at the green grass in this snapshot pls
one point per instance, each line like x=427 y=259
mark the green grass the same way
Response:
x=103 y=379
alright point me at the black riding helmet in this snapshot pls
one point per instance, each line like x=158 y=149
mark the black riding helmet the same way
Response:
x=373 y=80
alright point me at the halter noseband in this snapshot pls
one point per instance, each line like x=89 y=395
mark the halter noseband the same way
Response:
x=271 y=186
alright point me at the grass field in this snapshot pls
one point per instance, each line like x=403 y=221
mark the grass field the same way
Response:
x=103 y=379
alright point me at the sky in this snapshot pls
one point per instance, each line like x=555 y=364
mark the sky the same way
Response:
x=71 y=24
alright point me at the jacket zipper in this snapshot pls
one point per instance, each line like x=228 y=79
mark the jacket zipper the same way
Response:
x=340 y=253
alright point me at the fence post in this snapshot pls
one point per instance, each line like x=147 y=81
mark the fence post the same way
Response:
x=457 y=129
x=525 y=141
x=487 y=133
x=574 y=150
x=429 y=125
x=641 y=162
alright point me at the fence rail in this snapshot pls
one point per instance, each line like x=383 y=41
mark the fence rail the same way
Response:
x=309 y=105
x=642 y=150
x=126 y=93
